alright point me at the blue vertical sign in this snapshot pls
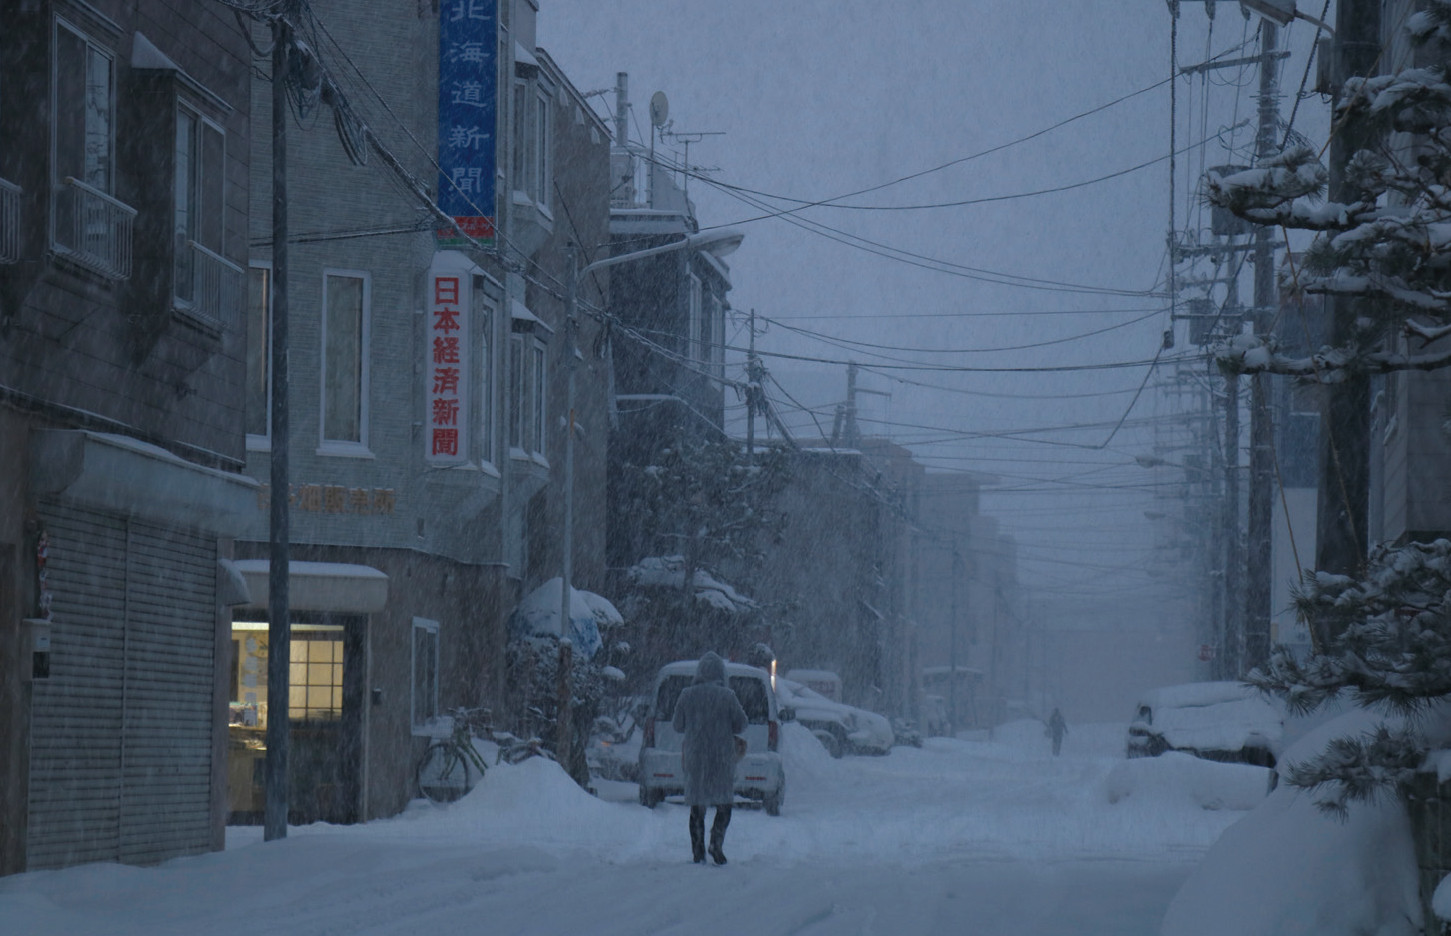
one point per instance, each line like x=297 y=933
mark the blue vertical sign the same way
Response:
x=468 y=104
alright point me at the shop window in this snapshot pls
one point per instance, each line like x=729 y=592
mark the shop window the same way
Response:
x=315 y=677
x=425 y=672
x=315 y=674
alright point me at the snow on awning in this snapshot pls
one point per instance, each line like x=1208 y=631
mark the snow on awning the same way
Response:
x=320 y=586
x=537 y=615
x=524 y=320
x=523 y=56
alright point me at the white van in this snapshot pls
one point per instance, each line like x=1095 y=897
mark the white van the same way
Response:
x=759 y=774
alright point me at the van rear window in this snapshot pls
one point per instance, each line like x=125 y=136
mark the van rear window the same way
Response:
x=750 y=691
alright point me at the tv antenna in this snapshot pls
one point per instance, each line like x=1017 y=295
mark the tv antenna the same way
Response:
x=687 y=137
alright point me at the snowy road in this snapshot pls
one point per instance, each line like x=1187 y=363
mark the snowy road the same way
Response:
x=958 y=837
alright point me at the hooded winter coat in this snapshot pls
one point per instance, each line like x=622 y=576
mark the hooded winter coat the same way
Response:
x=709 y=716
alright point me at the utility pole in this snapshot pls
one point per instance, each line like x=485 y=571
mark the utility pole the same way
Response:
x=754 y=392
x=279 y=625
x=1256 y=621
x=957 y=569
x=565 y=729
x=1344 y=488
x=1229 y=654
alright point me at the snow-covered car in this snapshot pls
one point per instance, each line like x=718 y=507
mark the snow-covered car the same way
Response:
x=1223 y=721
x=841 y=728
x=760 y=775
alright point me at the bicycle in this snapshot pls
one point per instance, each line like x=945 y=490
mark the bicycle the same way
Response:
x=450 y=767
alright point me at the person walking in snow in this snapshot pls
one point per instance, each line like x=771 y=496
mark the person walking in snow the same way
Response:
x=709 y=716
x=1057 y=728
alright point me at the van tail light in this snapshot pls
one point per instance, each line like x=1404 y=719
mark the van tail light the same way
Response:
x=649 y=732
x=773 y=734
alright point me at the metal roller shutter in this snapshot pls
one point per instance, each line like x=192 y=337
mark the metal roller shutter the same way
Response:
x=121 y=732
x=170 y=672
x=75 y=733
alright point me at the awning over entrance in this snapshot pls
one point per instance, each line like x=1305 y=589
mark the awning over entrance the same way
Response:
x=320 y=586
x=117 y=474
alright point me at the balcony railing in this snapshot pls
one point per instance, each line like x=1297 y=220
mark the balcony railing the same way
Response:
x=209 y=287
x=9 y=222
x=92 y=229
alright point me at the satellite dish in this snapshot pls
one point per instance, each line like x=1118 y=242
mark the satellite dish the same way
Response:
x=659 y=108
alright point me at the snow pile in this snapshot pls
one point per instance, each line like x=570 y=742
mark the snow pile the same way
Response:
x=1214 y=716
x=538 y=615
x=1175 y=776
x=1288 y=868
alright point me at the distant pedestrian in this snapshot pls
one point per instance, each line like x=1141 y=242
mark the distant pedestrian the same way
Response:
x=1057 y=728
x=709 y=716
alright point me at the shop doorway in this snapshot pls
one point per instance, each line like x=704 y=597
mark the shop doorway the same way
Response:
x=326 y=672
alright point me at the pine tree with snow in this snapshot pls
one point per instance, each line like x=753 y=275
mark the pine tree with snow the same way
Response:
x=1391 y=652
x=1389 y=243
x=1383 y=634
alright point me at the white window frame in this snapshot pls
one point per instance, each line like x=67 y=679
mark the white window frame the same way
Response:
x=485 y=309
x=533 y=144
x=427 y=626
x=346 y=447
x=514 y=432
x=543 y=134
x=539 y=375
x=263 y=442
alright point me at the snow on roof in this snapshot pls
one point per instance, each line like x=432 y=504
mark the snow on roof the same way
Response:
x=669 y=572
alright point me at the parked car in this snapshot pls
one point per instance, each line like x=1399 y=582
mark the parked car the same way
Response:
x=1222 y=721
x=825 y=682
x=841 y=728
x=760 y=775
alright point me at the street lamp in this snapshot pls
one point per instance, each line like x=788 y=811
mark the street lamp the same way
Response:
x=717 y=243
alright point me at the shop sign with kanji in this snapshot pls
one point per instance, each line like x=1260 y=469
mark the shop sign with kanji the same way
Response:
x=446 y=368
x=468 y=41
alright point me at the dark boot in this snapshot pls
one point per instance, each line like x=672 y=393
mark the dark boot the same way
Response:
x=697 y=833
x=717 y=832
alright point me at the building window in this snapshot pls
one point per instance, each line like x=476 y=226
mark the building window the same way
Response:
x=88 y=226
x=484 y=322
x=714 y=335
x=536 y=395
x=315 y=676
x=425 y=672
x=84 y=109
x=516 y=392
x=533 y=135
x=345 y=361
x=201 y=271
x=693 y=318
x=528 y=374
x=543 y=129
x=259 y=356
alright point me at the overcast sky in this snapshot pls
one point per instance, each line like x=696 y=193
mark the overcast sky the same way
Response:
x=820 y=98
